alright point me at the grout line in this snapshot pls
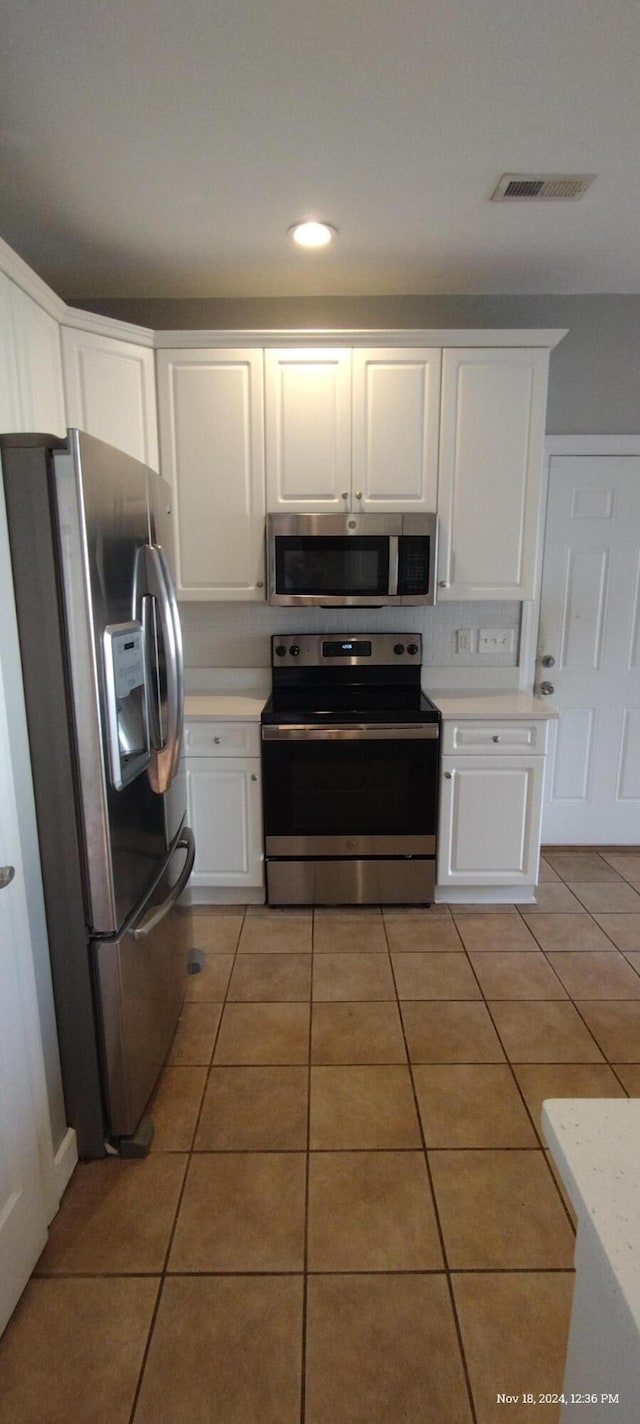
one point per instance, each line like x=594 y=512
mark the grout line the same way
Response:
x=305 y=1277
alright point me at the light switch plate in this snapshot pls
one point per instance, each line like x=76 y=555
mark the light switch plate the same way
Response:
x=495 y=640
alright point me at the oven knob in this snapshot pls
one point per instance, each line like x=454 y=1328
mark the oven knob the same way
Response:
x=294 y=650
x=281 y=650
x=398 y=648
x=412 y=648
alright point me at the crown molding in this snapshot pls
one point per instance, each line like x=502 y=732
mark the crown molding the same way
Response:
x=81 y=320
x=319 y=337
x=24 y=276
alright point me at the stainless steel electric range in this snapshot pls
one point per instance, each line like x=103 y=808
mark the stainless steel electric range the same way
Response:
x=350 y=750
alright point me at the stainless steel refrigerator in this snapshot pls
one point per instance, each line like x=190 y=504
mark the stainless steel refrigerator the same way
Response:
x=102 y=664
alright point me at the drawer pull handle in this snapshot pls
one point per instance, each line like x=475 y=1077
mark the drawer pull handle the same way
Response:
x=217 y=741
x=496 y=739
x=345 y=494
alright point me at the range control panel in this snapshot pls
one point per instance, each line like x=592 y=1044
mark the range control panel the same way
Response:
x=358 y=650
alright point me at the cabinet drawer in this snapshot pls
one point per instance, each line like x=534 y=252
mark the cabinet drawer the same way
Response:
x=494 y=737
x=222 y=739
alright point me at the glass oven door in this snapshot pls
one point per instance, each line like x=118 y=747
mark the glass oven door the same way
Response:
x=350 y=790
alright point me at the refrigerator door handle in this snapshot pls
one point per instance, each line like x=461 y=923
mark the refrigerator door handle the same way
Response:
x=166 y=760
x=153 y=917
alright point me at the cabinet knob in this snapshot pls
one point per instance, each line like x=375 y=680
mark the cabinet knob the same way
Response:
x=443 y=583
x=448 y=775
x=254 y=776
x=345 y=494
x=495 y=739
x=217 y=741
x=260 y=583
x=358 y=494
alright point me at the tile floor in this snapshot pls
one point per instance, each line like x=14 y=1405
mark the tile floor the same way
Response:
x=349 y=1215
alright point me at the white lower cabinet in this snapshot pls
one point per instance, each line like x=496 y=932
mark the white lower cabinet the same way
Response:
x=224 y=799
x=490 y=812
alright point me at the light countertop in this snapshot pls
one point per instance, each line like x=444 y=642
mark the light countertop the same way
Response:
x=506 y=706
x=245 y=706
x=596 y=1144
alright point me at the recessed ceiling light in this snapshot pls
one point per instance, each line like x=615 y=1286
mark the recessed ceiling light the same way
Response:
x=312 y=234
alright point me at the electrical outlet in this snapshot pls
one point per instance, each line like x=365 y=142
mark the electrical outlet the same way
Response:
x=495 y=640
x=465 y=640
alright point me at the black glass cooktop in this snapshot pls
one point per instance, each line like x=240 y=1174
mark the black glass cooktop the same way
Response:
x=350 y=704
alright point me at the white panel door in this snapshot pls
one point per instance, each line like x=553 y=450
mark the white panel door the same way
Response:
x=210 y=406
x=491 y=446
x=396 y=413
x=590 y=626
x=39 y=366
x=489 y=830
x=308 y=430
x=110 y=391
x=25 y=1136
x=224 y=803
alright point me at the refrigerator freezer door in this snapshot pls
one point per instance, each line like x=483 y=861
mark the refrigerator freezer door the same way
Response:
x=141 y=978
x=101 y=497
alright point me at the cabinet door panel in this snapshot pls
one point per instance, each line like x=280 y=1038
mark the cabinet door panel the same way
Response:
x=308 y=429
x=9 y=400
x=39 y=366
x=224 y=810
x=490 y=820
x=211 y=423
x=110 y=390
x=493 y=406
x=396 y=403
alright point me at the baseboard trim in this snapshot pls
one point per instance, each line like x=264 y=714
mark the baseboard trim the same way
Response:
x=485 y=895
x=64 y=1163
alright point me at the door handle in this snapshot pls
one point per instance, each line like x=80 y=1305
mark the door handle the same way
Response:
x=546 y=688
x=7 y=873
x=166 y=760
x=154 y=917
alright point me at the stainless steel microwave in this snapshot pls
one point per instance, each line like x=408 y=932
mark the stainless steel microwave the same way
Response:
x=351 y=560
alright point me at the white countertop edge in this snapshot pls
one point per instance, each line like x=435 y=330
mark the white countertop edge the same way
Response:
x=472 y=703
x=595 y=1143
x=244 y=706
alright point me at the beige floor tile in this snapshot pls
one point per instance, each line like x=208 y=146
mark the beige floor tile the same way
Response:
x=241 y=1211
x=495 y=932
x=355 y=932
x=627 y=864
x=422 y=931
x=254 y=1109
x=225 y=1351
x=483 y=907
x=362 y=1107
x=471 y=1105
x=633 y=958
x=629 y=1074
x=352 y=976
x=574 y=866
x=597 y=976
x=73 y=1351
x=624 y=930
x=175 y=1107
x=434 y=976
x=383 y=1349
x=195 y=1034
x=563 y=1080
x=500 y=1211
x=276 y=978
x=554 y=899
x=546 y=873
x=210 y=985
x=357 y=1033
x=609 y=899
x=514 y=1328
x=276 y=932
x=218 y=931
x=516 y=976
x=446 y=1032
x=567 y=932
x=264 y=1033
x=616 y=1027
x=543 y=1032
x=371 y=1211
x=115 y=1217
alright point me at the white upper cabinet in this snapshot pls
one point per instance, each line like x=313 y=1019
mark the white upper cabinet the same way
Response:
x=111 y=393
x=308 y=430
x=491 y=439
x=35 y=338
x=211 y=442
x=10 y=418
x=396 y=406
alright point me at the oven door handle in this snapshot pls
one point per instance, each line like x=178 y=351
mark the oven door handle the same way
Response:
x=380 y=731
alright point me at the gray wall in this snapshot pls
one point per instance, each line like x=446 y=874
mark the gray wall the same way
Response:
x=594 y=385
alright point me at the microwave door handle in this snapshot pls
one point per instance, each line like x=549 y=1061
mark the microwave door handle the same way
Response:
x=393 y=564
x=160 y=587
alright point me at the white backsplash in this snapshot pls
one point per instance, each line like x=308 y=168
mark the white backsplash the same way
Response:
x=227 y=635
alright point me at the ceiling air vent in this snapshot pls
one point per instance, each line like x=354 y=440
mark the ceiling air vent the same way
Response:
x=541 y=187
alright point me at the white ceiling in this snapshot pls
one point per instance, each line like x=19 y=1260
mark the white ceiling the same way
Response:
x=163 y=147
